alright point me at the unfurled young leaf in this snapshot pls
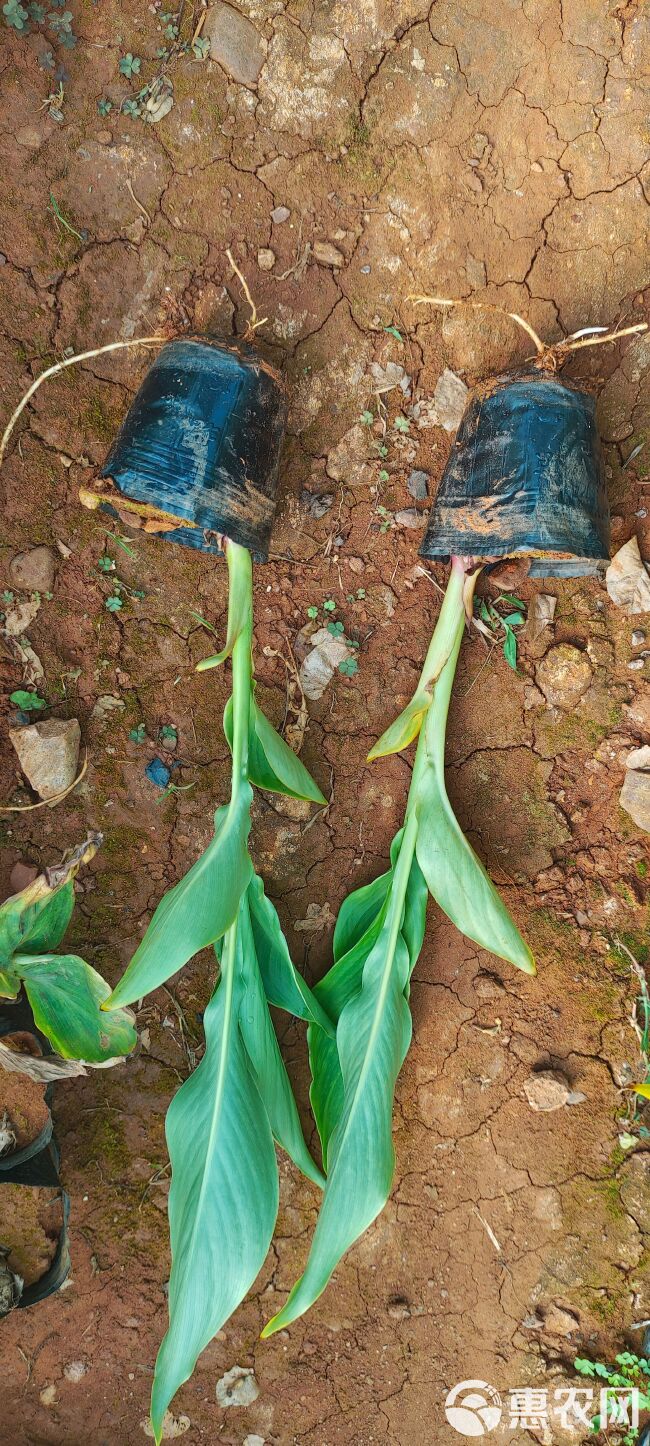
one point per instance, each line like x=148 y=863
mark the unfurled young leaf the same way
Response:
x=272 y=765
x=197 y=911
x=283 y=985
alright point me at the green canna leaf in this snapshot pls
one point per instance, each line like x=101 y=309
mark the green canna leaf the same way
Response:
x=198 y=910
x=264 y=1055
x=9 y=984
x=223 y=1199
x=35 y=919
x=272 y=764
x=372 y=1037
x=284 y=986
x=65 y=995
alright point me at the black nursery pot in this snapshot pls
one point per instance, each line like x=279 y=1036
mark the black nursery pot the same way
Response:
x=525 y=475
x=202 y=441
x=36 y=1165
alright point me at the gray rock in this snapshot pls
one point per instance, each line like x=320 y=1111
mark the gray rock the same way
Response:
x=449 y=400
x=549 y=1090
x=19 y=616
x=317 y=506
x=638 y=638
x=628 y=583
x=254 y=1441
x=33 y=571
x=21 y=875
x=234 y=43
x=48 y=753
x=560 y=1322
x=107 y=704
x=327 y=255
x=238 y=1387
x=563 y=675
x=409 y=517
x=635 y=793
x=280 y=214
x=418 y=485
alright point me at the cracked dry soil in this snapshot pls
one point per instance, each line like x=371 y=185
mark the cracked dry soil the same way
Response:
x=463 y=148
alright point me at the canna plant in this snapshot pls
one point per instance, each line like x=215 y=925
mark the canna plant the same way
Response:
x=377 y=940
x=64 y=992
x=223 y=1121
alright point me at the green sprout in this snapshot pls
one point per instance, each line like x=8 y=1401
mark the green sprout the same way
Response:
x=490 y=621
x=632 y=1375
x=401 y=424
x=113 y=603
x=377 y=941
x=329 y=606
x=138 y=734
x=104 y=106
x=348 y=667
x=222 y=1122
x=16 y=16
x=367 y=418
x=200 y=48
x=312 y=612
x=65 y=994
x=130 y=65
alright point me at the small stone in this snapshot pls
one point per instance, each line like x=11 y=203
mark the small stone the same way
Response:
x=21 y=875
x=563 y=675
x=48 y=753
x=316 y=505
x=33 y=571
x=266 y=259
x=75 y=1371
x=449 y=400
x=47 y=1396
x=29 y=137
x=559 y=1322
x=638 y=713
x=106 y=705
x=636 y=664
x=238 y=1387
x=628 y=583
x=327 y=255
x=548 y=1090
x=418 y=485
x=254 y=1441
x=234 y=43
x=638 y=638
x=409 y=517
x=280 y=214
x=356 y=564
x=635 y=793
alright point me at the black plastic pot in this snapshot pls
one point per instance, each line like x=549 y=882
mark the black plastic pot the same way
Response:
x=525 y=476
x=202 y=440
x=36 y=1164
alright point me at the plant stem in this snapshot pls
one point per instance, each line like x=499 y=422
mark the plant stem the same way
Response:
x=240 y=571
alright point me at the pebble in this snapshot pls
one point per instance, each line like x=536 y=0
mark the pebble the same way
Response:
x=234 y=43
x=266 y=259
x=638 y=638
x=34 y=570
x=75 y=1371
x=449 y=400
x=327 y=255
x=409 y=517
x=559 y=1322
x=549 y=1090
x=636 y=664
x=316 y=506
x=238 y=1387
x=48 y=753
x=21 y=876
x=254 y=1441
x=563 y=675
x=635 y=793
x=418 y=485
x=628 y=583
x=280 y=214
